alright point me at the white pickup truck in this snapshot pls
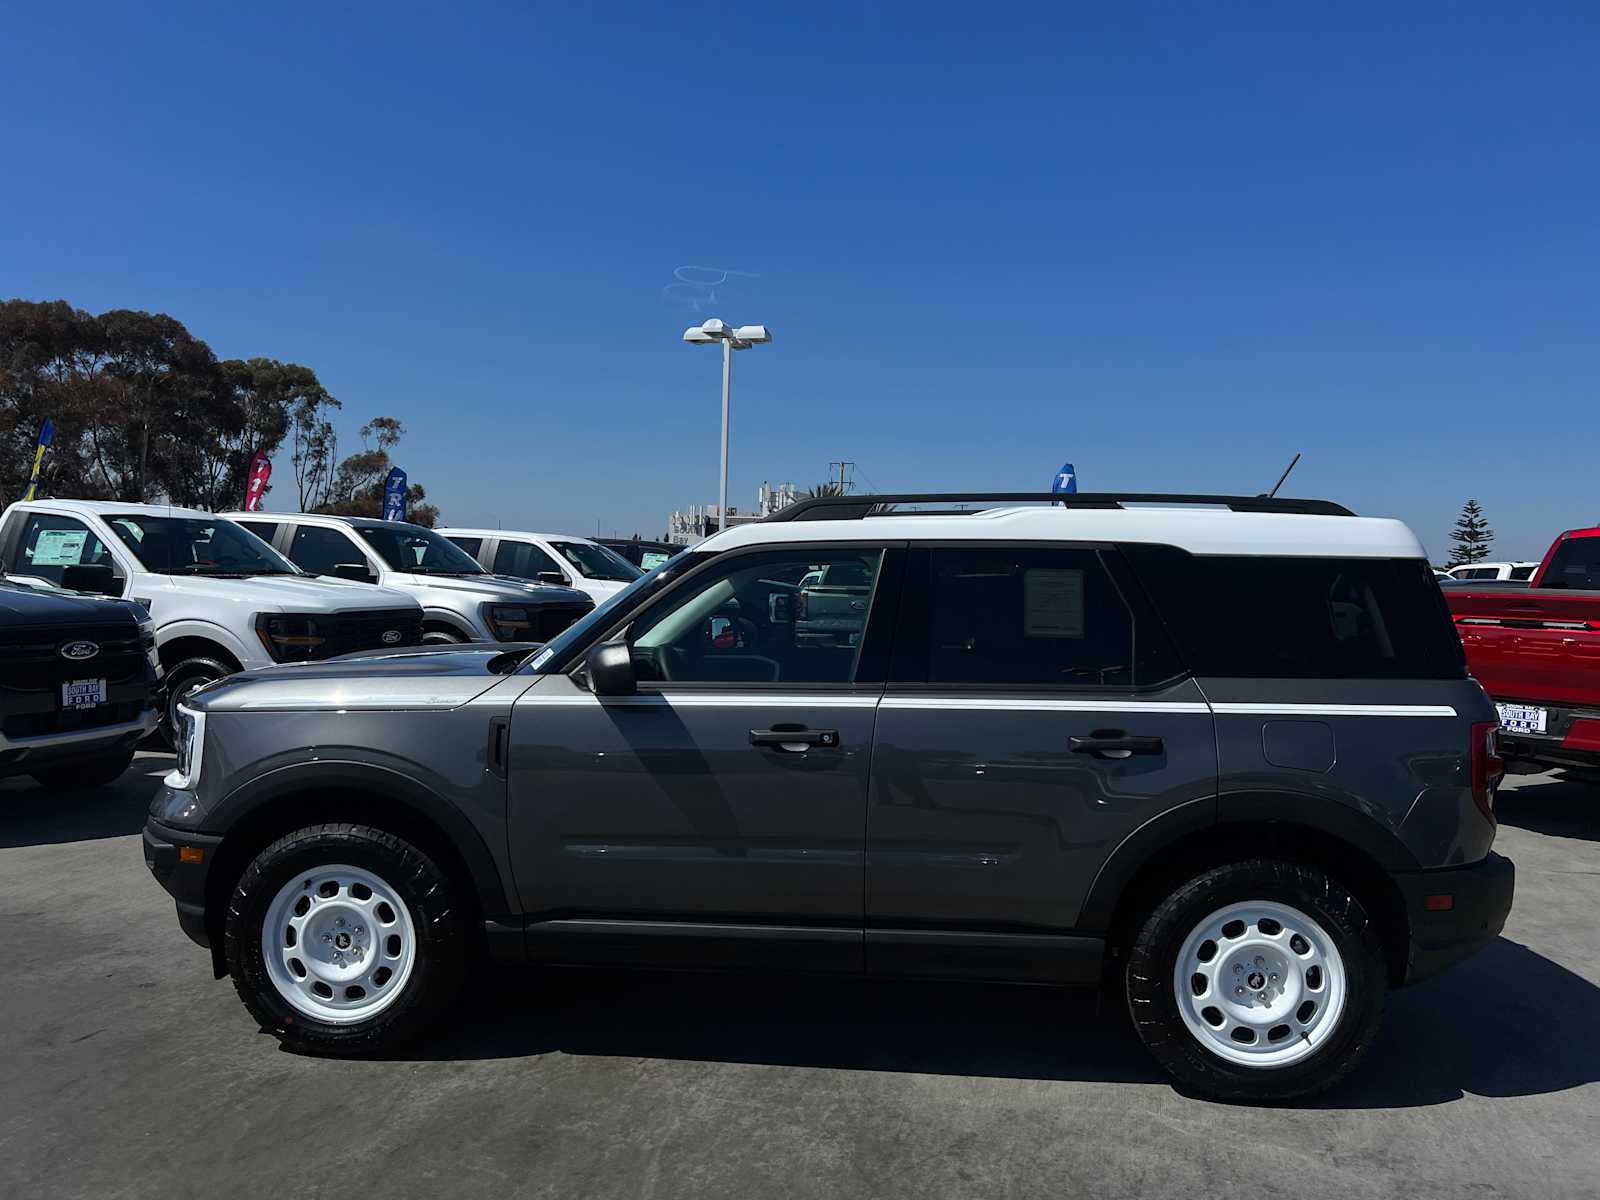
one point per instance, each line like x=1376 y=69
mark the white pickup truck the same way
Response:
x=221 y=599
x=461 y=602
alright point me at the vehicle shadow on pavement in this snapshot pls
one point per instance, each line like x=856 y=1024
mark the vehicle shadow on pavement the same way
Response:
x=1506 y=1022
x=804 y=1021
x=1562 y=806
x=34 y=816
x=1441 y=1040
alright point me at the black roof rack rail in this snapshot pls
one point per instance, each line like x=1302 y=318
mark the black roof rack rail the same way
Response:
x=852 y=508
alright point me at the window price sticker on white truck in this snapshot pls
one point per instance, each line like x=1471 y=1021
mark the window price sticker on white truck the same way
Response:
x=1523 y=718
x=83 y=693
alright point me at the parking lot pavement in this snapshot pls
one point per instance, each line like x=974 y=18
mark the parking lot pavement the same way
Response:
x=125 y=1070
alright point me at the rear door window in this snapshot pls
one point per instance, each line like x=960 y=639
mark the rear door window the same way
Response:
x=1259 y=617
x=523 y=560
x=1026 y=617
x=322 y=551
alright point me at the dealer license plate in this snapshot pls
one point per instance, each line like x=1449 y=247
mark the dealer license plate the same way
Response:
x=83 y=693
x=1523 y=718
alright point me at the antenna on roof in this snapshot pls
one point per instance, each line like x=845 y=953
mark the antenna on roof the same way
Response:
x=1282 y=477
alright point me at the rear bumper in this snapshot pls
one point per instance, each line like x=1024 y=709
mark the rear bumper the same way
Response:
x=184 y=881
x=1573 y=739
x=1480 y=897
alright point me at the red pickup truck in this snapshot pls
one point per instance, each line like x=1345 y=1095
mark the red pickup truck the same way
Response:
x=1537 y=653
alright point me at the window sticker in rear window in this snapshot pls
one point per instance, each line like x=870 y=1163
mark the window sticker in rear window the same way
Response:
x=1052 y=603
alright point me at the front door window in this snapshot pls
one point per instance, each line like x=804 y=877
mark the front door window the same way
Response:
x=786 y=617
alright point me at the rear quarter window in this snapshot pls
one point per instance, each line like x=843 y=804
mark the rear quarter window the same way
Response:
x=1258 y=617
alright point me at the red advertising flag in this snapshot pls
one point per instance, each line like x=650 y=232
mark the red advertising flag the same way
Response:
x=260 y=472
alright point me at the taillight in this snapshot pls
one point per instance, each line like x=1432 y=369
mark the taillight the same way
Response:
x=1487 y=765
x=801 y=607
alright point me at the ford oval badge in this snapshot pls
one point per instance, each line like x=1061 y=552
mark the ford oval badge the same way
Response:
x=391 y=637
x=79 y=651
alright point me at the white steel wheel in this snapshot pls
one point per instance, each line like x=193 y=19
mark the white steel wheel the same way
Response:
x=338 y=944
x=1260 y=984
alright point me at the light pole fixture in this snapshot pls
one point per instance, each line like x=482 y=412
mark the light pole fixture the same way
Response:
x=732 y=339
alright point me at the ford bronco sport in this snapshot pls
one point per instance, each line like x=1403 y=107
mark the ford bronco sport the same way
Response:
x=1219 y=754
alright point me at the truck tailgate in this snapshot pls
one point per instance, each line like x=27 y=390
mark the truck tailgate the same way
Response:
x=1537 y=645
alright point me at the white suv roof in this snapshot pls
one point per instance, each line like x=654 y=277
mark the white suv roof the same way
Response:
x=1200 y=525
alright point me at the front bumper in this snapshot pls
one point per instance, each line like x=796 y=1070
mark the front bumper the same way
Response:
x=23 y=754
x=1480 y=897
x=184 y=876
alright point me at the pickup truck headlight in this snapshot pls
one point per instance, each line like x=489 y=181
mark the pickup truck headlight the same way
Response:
x=190 y=739
x=508 y=622
x=289 y=639
x=147 y=643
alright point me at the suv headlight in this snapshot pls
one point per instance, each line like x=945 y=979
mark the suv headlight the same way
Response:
x=288 y=638
x=508 y=622
x=190 y=740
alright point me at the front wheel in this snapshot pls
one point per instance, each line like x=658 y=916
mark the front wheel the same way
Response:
x=343 y=939
x=1257 y=981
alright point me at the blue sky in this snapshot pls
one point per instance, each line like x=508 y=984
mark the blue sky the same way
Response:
x=1174 y=244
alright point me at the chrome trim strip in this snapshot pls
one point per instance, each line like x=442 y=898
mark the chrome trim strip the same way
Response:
x=1334 y=710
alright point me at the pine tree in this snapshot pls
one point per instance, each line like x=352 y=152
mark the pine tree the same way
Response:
x=1471 y=536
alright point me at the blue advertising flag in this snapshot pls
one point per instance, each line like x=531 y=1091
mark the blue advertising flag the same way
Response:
x=394 y=496
x=1066 y=479
x=47 y=434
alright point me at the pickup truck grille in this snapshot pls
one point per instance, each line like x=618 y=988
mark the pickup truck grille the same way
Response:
x=32 y=672
x=349 y=633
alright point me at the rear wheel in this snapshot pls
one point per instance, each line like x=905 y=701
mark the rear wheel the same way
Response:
x=91 y=773
x=1257 y=980
x=343 y=939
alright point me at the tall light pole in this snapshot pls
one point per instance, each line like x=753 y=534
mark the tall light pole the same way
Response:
x=741 y=338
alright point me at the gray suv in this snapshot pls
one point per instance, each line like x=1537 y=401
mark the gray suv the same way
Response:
x=1220 y=755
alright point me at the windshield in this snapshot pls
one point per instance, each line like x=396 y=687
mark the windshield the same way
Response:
x=197 y=546
x=418 y=551
x=557 y=652
x=597 y=562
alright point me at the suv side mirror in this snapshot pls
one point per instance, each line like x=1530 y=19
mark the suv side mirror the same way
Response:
x=355 y=572
x=610 y=667
x=553 y=577
x=95 y=578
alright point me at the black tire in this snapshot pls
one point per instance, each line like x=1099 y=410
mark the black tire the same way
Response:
x=91 y=773
x=182 y=679
x=1153 y=960
x=442 y=637
x=425 y=890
